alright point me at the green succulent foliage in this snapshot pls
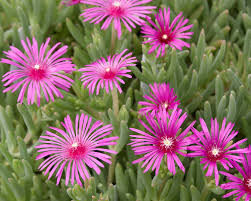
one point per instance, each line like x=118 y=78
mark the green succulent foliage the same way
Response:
x=212 y=79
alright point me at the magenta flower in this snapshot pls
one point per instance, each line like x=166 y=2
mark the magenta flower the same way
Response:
x=214 y=147
x=166 y=33
x=161 y=97
x=162 y=139
x=240 y=186
x=104 y=73
x=75 y=149
x=71 y=2
x=130 y=12
x=37 y=71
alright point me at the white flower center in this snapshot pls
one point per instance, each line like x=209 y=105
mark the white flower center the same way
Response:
x=108 y=70
x=75 y=145
x=215 y=151
x=167 y=142
x=37 y=66
x=165 y=105
x=164 y=36
x=116 y=4
x=249 y=183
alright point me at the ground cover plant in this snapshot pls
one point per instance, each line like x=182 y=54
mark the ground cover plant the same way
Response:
x=125 y=100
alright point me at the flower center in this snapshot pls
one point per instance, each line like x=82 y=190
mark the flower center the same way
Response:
x=214 y=154
x=116 y=9
x=37 y=66
x=164 y=36
x=165 y=105
x=75 y=145
x=116 y=4
x=247 y=184
x=76 y=151
x=108 y=74
x=215 y=151
x=167 y=144
x=37 y=72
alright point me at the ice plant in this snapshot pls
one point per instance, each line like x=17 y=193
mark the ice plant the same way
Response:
x=106 y=73
x=75 y=149
x=215 y=147
x=162 y=139
x=241 y=186
x=71 y=2
x=166 y=33
x=37 y=72
x=128 y=12
x=161 y=97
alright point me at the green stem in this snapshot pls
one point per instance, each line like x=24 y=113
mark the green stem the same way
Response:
x=113 y=40
x=111 y=170
x=115 y=104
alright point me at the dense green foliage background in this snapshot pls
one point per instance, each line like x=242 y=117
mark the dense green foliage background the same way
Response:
x=212 y=79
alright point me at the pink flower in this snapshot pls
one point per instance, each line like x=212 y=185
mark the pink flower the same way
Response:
x=161 y=97
x=161 y=140
x=104 y=73
x=75 y=150
x=38 y=72
x=129 y=12
x=240 y=186
x=71 y=2
x=166 y=33
x=214 y=147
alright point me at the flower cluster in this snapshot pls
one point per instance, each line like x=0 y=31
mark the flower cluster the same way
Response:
x=164 y=138
x=81 y=145
x=41 y=73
